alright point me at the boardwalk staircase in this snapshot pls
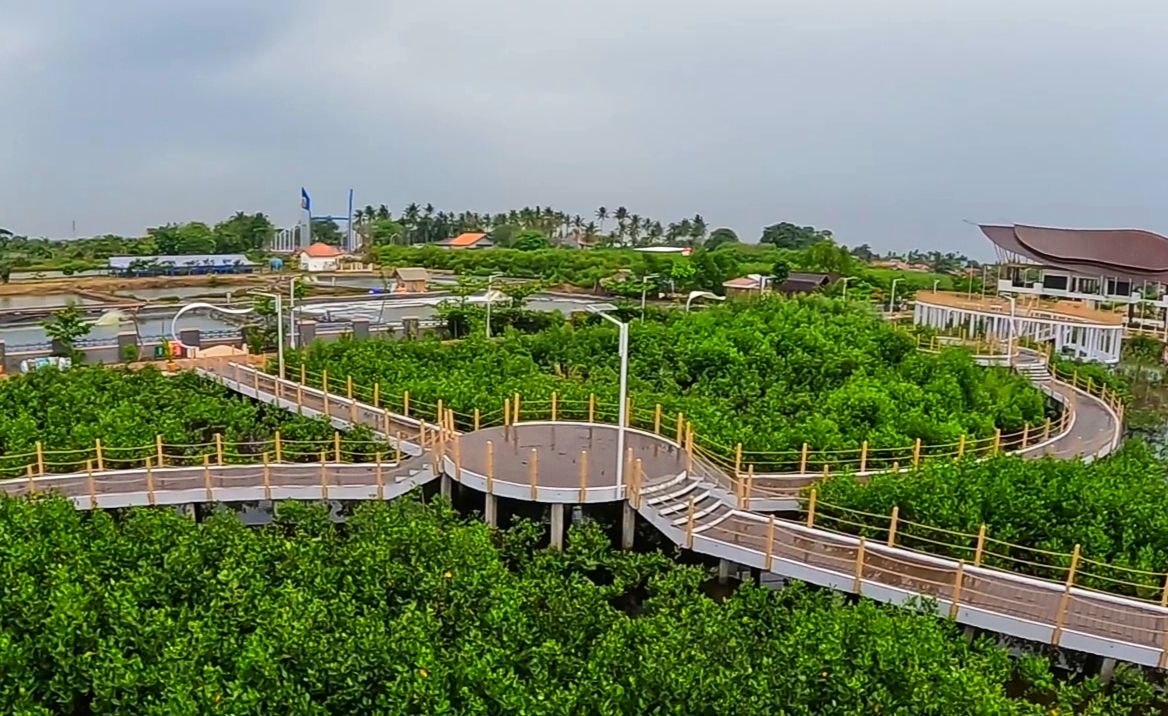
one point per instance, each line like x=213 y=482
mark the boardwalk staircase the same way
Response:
x=699 y=495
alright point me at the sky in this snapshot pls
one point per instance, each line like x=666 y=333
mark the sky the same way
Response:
x=892 y=124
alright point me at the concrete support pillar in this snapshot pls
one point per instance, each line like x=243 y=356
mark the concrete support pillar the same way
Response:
x=491 y=510
x=410 y=328
x=360 y=329
x=558 y=526
x=628 y=526
x=305 y=333
x=723 y=571
x=970 y=633
x=447 y=487
x=187 y=510
x=126 y=342
x=1107 y=670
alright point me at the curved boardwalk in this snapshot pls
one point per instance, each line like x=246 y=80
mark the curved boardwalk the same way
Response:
x=692 y=502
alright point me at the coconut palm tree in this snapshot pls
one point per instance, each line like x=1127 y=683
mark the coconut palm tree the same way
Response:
x=601 y=215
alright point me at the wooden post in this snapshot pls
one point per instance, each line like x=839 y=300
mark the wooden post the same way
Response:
x=440 y=417
x=811 y=507
x=324 y=390
x=1046 y=431
x=554 y=396
x=638 y=472
x=892 y=525
x=93 y=485
x=584 y=477
x=380 y=476
x=352 y=403
x=337 y=445
x=533 y=474
x=657 y=419
x=958 y=583
x=629 y=409
x=737 y=461
x=267 y=479
x=149 y=482
x=397 y=448
x=689 y=525
x=997 y=440
x=457 y=444
x=961 y=446
x=770 y=543
x=207 y=478
x=858 y=582
x=689 y=448
x=592 y=409
x=895 y=466
x=385 y=423
x=303 y=374
x=803 y=460
x=979 y=552
x=749 y=483
x=1061 y=616
x=40 y=457
x=349 y=387
x=377 y=394
x=515 y=407
x=99 y=458
x=864 y=456
x=324 y=475
x=680 y=424
x=219 y=448
x=1025 y=435
x=406 y=403
x=300 y=396
x=506 y=412
x=490 y=468
x=476 y=419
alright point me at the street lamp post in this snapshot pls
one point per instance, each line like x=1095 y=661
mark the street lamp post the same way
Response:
x=490 y=280
x=892 y=295
x=292 y=312
x=279 y=326
x=935 y=285
x=644 y=289
x=1013 y=329
x=701 y=294
x=984 y=278
x=601 y=309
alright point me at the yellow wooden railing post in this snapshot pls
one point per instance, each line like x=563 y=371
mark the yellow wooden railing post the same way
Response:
x=267 y=478
x=303 y=374
x=864 y=457
x=207 y=478
x=958 y=583
x=583 y=477
x=100 y=459
x=1046 y=431
x=657 y=419
x=92 y=484
x=917 y=453
x=680 y=423
x=811 y=498
x=40 y=457
x=219 y=448
x=490 y=467
x=1025 y=435
x=377 y=394
x=858 y=582
x=979 y=551
x=533 y=474
x=158 y=449
x=324 y=475
x=961 y=446
x=892 y=524
x=997 y=440
x=515 y=407
x=337 y=445
x=737 y=461
x=554 y=397
x=592 y=408
x=352 y=403
x=279 y=447
x=324 y=390
x=689 y=525
x=1064 y=602
x=380 y=476
x=506 y=412
x=149 y=483
x=803 y=460
x=406 y=403
x=476 y=418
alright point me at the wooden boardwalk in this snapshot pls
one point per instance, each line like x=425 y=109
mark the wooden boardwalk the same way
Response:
x=693 y=502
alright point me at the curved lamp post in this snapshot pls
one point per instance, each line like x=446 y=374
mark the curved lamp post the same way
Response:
x=602 y=310
x=702 y=294
x=220 y=309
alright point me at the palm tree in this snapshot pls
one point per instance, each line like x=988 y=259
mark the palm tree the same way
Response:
x=601 y=215
x=698 y=230
x=383 y=212
x=621 y=213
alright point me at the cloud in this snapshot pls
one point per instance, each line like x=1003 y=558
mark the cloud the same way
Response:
x=888 y=124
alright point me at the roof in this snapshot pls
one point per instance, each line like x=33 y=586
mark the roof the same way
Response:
x=468 y=239
x=187 y=261
x=1128 y=253
x=321 y=250
x=800 y=282
x=411 y=274
x=753 y=280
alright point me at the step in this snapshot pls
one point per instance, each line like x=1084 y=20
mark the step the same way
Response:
x=683 y=505
x=699 y=513
x=714 y=522
x=663 y=484
x=673 y=496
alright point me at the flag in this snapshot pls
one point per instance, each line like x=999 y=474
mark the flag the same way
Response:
x=305 y=202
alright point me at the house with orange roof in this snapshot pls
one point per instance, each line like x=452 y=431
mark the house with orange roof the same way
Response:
x=469 y=240
x=321 y=257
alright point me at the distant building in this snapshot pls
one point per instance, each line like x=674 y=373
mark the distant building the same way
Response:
x=801 y=282
x=797 y=282
x=321 y=257
x=190 y=265
x=683 y=250
x=899 y=265
x=410 y=280
x=469 y=240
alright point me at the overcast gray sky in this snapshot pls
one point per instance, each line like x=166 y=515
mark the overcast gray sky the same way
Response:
x=887 y=122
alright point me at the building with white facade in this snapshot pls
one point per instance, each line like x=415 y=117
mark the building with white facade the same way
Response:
x=321 y=257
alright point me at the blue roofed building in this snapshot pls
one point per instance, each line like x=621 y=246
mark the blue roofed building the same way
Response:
x=190 y=265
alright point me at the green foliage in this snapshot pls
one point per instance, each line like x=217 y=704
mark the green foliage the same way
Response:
x=770 y=375
x=1116 y=509
x=780 y=272
x=1143 y=349
x=530 y=240
x=407 y=610
x=127 y=409
x=786 y=235
x=721 y=237
x=65 y=328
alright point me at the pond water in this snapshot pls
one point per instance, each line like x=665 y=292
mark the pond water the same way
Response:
x=48 y=300
x=15 y=337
